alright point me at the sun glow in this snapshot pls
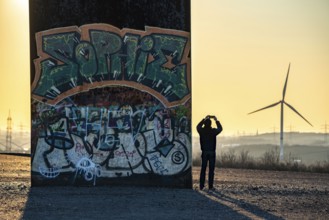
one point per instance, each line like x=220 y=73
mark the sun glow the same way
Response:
x=240 y=52
x=14 y=63
x=20 y=3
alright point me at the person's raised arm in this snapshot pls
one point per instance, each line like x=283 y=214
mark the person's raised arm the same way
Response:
x=219 y=126
x=199 y=126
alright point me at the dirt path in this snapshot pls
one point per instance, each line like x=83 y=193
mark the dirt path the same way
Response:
x=239 y=194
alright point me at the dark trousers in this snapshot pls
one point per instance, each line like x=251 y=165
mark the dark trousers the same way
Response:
x=211 y=157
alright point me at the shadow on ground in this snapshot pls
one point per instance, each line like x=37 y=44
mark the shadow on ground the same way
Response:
x=129 y=203
x=244 y=208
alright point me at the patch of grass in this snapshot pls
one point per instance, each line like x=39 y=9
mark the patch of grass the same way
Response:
x=270 y=160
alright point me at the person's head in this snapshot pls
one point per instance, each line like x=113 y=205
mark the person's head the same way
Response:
x=207 y=123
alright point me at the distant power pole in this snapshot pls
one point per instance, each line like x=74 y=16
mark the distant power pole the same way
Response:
x=21 y=126
x=290 y=132
x=291 y=128
x=9 y=132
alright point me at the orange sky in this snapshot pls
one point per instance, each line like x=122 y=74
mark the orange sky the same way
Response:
x=240 y=55
x=14 y=63
x=241 y=50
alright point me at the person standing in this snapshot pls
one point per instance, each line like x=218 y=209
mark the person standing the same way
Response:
x=208 y=147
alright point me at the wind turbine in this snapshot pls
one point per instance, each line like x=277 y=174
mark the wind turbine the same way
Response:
x=282 y=102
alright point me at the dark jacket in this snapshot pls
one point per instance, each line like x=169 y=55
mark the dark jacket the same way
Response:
x=208 y=135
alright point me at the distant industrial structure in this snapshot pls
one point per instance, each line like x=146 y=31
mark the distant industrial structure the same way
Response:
x=9 y=133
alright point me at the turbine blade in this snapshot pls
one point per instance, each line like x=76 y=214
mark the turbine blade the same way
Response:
x=270 y=106
x=292 y=108
x=285 y=84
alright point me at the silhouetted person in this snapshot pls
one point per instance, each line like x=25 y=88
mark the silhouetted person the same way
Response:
x=208 y=148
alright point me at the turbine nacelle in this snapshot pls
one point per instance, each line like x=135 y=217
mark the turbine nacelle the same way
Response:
x=282 y=102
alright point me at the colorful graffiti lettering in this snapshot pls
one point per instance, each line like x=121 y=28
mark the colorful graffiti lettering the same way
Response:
x=110 y=141
x=72 y=60
x=111 y=104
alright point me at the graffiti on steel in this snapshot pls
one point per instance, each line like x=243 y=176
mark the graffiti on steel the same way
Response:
x=110 y=140
x=75 y=59
x=110 y=103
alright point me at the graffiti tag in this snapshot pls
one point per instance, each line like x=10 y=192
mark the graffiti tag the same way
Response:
x=75 y=59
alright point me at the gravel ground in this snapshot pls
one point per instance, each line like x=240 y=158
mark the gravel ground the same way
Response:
x=238 y=194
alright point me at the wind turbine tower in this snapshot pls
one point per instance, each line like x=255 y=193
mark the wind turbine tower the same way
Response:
x=282 y=102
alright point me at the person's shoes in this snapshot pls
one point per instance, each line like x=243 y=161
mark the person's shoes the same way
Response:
x=201 y=187
x=212 y=189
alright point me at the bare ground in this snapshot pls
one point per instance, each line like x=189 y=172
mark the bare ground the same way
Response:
x=238 y=194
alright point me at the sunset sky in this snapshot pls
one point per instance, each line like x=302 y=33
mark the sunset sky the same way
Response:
x=241 y=50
